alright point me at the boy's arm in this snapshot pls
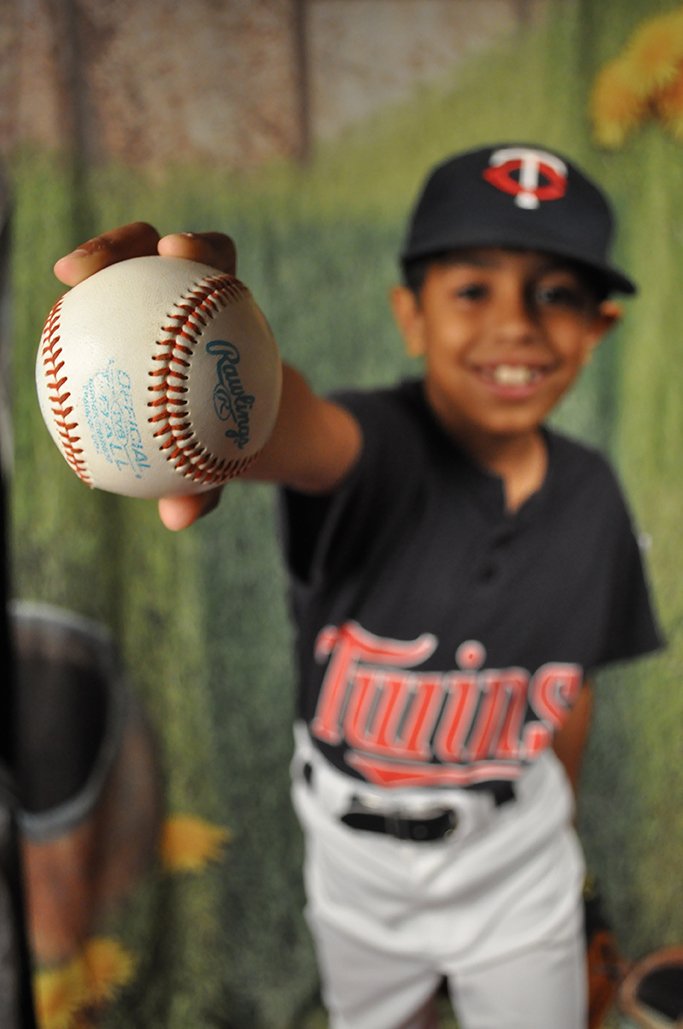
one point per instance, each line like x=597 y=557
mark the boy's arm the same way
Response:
x=571 y=739
x=315 y=443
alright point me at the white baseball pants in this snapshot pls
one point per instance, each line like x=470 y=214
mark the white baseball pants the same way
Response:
x=496 y=908
x=363 y=988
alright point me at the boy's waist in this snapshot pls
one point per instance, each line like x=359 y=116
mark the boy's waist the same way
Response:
x=342 y=794
x=539 y=797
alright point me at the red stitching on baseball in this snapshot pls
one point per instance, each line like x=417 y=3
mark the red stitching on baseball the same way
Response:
x=188 y=456
x=52 y=367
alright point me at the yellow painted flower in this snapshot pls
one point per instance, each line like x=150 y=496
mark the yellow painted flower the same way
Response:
x=655 y=53
x=189 y=843
x=616 y=108
x=668 y=104
x=107 y=967
x=59 y=993
x=644 y=81
x=64 y=994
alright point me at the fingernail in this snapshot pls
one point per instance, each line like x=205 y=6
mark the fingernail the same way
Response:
x=91 y=246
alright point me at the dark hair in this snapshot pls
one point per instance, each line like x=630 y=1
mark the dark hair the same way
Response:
x=415 y=271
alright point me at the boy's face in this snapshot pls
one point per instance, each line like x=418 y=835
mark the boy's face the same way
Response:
x=504 y=333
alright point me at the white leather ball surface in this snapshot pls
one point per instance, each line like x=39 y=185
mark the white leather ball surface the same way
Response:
x=158 y=377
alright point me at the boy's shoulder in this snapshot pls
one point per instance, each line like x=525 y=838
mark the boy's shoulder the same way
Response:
x=583 y=488
x=392 y=417
x=398 y=409
x=578 y=461
x=405 y=395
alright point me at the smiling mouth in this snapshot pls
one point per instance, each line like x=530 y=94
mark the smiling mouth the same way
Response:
x=518 y=375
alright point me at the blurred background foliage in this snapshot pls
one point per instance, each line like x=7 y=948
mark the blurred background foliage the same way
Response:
x=201 y=617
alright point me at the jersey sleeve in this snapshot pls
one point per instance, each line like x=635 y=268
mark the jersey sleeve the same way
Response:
x=331 y=535
x=633 y=629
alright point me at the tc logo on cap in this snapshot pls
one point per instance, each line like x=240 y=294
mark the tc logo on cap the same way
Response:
x=531 y=166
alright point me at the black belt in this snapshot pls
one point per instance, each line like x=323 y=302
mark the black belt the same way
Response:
x=438 y=826
x=422 y=830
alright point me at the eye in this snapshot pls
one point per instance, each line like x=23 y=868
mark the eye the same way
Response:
x=472 y=291
x=572 y=297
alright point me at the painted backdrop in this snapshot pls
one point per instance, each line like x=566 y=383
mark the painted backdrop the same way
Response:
x=200 y=620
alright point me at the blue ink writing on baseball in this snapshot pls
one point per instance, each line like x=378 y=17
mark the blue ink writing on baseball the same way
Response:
x=108 y=403
x=230 y=400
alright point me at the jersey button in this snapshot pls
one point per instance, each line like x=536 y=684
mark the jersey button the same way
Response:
x=487 y=573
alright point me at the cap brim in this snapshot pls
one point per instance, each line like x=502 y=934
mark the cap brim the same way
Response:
x=615 y=279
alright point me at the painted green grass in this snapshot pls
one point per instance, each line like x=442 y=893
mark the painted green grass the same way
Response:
x=201 y=615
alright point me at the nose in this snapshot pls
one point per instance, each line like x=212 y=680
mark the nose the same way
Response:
x=515 y=320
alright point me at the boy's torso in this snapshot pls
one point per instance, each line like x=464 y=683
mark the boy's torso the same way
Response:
x=441 y=641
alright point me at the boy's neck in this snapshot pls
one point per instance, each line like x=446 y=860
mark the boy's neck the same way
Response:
x=520 y=459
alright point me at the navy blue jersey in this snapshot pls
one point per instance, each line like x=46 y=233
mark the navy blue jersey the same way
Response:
x=442 y=640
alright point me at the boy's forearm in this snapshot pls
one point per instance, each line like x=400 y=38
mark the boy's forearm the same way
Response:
x=314 y=444
x=312 y=448
x=571 y=740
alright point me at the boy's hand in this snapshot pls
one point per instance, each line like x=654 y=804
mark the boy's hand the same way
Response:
x=142 y=240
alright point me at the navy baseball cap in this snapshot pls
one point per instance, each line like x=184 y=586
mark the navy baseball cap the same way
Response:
x=519 y=196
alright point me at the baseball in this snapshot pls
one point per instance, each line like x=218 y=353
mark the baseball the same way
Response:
x=158 y=377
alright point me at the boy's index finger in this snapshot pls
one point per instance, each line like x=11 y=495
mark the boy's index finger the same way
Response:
x=139 y=239
x=212 y=248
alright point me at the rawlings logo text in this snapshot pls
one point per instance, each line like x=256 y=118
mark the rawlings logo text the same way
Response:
x=230 y=400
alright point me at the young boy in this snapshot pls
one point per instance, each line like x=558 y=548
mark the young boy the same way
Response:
x=456 y=570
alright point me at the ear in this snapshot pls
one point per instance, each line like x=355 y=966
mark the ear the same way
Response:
x=409 y=318
x=608 y=315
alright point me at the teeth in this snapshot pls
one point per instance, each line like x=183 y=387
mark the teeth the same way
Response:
x=513 y=375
